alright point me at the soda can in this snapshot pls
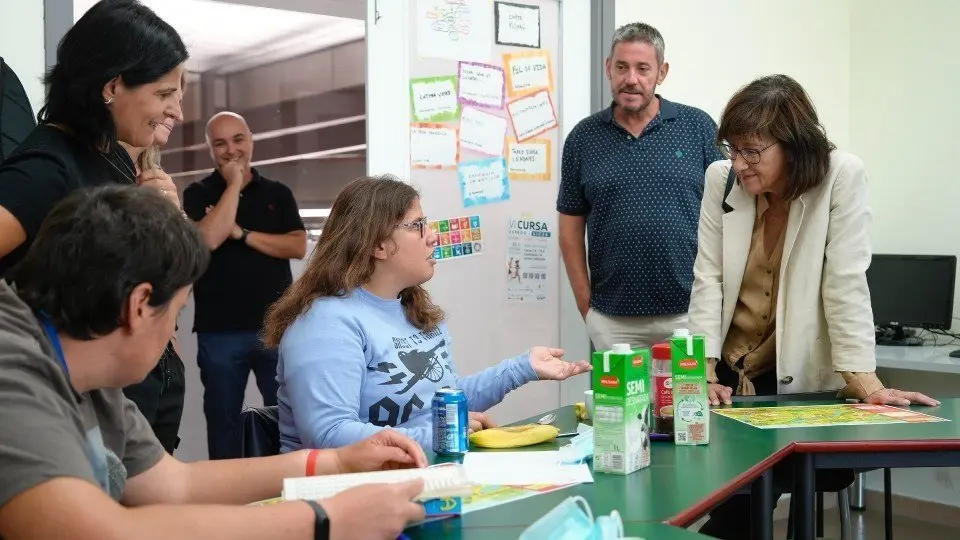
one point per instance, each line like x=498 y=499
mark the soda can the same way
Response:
x=450 y=422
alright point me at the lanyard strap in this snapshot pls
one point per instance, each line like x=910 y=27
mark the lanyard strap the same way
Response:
x=51 y=332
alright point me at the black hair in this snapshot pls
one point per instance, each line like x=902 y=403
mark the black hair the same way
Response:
x=113 y=38
x=96 y=246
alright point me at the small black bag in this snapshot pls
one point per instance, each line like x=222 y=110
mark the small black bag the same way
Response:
x=16 y=115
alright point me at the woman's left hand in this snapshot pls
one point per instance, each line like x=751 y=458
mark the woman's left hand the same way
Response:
x=890 y=396
x=159 y=180
x=549 y=364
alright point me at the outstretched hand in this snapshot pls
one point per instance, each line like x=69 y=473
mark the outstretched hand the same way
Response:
x=549 y=364
x=890 y=396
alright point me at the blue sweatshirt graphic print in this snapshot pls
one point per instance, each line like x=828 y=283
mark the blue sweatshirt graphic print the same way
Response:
x=352 y=365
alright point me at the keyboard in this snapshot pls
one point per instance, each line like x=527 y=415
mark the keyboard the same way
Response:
x=441 y=481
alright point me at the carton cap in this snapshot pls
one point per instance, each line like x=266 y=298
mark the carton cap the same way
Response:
x=681 y=332
x=621 y=348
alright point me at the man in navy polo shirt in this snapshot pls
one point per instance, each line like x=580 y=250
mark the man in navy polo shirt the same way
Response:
x=253 y=227
x=632 y=179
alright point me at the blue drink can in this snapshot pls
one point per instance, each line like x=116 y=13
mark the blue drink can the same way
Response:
x=450 y=422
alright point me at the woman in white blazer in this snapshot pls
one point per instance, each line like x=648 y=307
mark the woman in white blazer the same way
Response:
x=780 y=288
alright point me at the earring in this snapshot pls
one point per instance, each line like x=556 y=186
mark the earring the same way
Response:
x=109 y=101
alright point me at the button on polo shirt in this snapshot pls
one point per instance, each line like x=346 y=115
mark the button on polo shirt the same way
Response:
x=641 y=199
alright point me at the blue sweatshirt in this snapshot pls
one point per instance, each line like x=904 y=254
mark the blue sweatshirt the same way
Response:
x=352 y=365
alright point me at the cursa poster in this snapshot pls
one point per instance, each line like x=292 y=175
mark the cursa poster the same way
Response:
x=528 y=240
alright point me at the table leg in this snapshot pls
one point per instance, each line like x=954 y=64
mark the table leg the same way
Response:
x=887 y=505
x=803 y=490
x=761 y=507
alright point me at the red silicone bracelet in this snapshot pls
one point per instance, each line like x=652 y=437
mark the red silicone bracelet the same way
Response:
x=312 y=462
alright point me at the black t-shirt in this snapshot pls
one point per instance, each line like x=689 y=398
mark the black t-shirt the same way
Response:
x=241 y=282
x=47 y=166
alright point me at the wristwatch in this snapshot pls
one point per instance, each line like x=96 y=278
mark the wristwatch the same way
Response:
x=243 y=235
x=321 y=529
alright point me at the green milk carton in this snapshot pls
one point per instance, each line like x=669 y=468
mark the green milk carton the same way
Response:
x=691 y=405
x=621 y=405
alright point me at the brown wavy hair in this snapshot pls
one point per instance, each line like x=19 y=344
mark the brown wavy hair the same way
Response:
x=777 y=107
x=363 y=217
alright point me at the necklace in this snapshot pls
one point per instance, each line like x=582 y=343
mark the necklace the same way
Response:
x=128 y=173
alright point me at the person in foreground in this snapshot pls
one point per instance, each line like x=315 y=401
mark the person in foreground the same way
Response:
x=362 y=346
x=780 y=288
x=95 y=302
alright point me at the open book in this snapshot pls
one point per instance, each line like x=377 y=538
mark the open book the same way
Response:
x=439 y=482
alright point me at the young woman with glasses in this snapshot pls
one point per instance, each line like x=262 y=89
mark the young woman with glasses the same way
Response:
x=362 y=346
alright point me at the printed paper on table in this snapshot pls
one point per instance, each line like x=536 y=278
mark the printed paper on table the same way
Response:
x=483 y=181
x=482 y=132
x=529 y=160
x=481 y=85
x=455 y=30
x=532 y=115
x=434 y=99
x=433 y=146
x=527 y=72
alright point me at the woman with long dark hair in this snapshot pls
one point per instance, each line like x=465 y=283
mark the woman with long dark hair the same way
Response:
x=118 y=81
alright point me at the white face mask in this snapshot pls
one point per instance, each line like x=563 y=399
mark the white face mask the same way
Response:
x=573 y=520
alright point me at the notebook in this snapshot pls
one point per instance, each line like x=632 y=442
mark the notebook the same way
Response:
x=440 y=482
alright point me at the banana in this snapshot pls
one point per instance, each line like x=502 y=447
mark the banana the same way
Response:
x=514 y=436
x=580 y=409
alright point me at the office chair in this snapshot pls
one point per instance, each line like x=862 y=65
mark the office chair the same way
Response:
x=261 y=431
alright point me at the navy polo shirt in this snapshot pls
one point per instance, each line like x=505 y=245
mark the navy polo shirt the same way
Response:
x=641 y=199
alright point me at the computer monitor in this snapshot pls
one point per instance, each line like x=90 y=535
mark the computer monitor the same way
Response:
x=912 y=291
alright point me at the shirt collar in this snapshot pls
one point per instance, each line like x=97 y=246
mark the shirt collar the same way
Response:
x=668 y=110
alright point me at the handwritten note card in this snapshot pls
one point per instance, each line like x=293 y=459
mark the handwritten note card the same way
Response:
x=528 y=160
x=517 y=24
x=482 y=132
x=481 y=85
x=527 y=72
x=532 y=115
x=434 y=99
x=456 y=30
x=483 y=181
x=433 y=146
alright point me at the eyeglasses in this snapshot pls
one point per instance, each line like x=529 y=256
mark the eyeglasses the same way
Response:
x=750 y=155
x=420 y=224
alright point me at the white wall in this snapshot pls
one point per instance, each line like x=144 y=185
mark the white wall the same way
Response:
x=903 y=118
x=904 y=115
x=714 y=48
x=21 y=45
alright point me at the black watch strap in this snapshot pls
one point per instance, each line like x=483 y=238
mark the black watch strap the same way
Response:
x=243 y=234
x=321 y=530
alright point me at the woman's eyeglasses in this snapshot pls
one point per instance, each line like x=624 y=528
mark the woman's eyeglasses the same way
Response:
x=750 y=155
x=420 y=224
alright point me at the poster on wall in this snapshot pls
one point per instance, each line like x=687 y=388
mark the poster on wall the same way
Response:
x=528 y=241
x=483 y=181
x=517 y=24
x=455 y=30
x=482 y=132
x=529 y=160
x=433 y=146
x=527 y=72
x=434 y=99
x=481 y=85
x=457 y=237
x=532 y=115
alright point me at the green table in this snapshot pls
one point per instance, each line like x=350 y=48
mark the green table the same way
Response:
x=449 y=529
x=684 y=482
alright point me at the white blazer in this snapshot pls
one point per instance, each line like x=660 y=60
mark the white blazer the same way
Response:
x=824 y=317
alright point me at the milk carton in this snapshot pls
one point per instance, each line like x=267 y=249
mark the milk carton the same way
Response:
x=691 y=405
x=621 y=404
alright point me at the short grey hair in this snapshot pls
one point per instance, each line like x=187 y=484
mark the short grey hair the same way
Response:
x=638 y=32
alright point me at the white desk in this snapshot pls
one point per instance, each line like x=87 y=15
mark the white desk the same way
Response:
x=929 y=359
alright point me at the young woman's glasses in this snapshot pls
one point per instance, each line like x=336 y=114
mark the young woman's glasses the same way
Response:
x=420 y=224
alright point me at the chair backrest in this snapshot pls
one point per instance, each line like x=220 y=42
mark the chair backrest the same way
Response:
x=261 y=431
x=16 y=115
